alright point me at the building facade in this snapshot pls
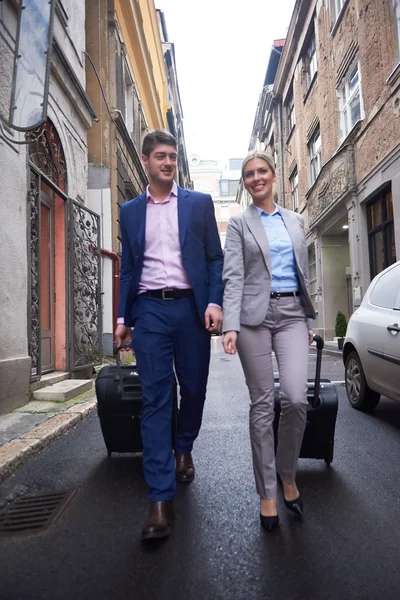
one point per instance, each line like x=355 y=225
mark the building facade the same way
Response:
x=174 y=105
x=49 y=277
x=221 y=184
x=330 y=114
x=62 y=182
x=127 y=84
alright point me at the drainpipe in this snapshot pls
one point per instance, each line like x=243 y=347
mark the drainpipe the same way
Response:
x=115 y=260
x=281 y=150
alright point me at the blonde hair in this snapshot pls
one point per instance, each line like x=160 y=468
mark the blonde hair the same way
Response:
x=259 y=154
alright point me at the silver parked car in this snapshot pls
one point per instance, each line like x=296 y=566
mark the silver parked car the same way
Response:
x=371 y=349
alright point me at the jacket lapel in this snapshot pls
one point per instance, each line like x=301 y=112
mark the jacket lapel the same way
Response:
x=183 y=214
x=256 y=227
x=140 y=219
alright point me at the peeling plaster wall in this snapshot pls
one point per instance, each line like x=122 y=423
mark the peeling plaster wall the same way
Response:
x=14 y=359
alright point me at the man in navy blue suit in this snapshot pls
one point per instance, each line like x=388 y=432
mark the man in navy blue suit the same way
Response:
x=171 y=294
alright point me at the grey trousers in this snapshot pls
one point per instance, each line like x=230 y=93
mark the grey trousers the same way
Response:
x=285 y=331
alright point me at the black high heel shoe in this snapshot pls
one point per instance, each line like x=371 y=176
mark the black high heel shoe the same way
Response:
x=269 y=523
x=295 y=506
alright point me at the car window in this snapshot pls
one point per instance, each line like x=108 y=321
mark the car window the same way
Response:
x=386 y=292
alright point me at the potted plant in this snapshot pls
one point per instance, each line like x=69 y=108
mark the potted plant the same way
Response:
x=340 y=329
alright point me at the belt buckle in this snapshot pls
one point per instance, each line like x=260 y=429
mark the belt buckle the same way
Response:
x=163 y=296
x=276 y=295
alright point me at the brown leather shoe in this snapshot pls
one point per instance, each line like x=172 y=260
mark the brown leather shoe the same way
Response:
x=184 y=467
x=159 y=521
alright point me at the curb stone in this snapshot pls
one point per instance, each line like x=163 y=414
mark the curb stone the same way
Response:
x=14 y=453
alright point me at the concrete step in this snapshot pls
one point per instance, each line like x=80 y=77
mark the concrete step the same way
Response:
x=63 y=390
x=49 y=379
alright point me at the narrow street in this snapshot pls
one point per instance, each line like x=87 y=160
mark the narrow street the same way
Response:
x=346 y=547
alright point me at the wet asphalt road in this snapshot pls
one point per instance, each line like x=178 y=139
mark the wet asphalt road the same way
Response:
x=347 y=547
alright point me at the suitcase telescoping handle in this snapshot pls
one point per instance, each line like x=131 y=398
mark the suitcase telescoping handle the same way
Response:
x=116 y=350
x=320 y=344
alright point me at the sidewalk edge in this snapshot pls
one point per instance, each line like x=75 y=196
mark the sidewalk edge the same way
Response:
x=13 y=454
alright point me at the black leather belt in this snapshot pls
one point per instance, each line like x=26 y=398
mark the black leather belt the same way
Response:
x=283 y=294
x=169 y=293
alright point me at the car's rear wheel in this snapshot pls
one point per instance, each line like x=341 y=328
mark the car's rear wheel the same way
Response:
x=359 y=394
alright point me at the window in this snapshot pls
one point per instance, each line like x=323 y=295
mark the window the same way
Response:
x=386 y=290
x=395 y=14
x=350 y=102
x=270 y=148
x=337 y=6
x=315 y=154
x=291 y=118
x=129 y=104
x=396 y=8
x=310 y=60
x=224 y=187
x=235 y=164
x=224 y=214
x=233 y=186
x=381 y=237
x=294 y=186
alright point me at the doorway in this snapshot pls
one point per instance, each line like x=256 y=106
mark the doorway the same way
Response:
x=46 y=279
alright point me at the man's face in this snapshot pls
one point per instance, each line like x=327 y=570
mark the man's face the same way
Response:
x=161 y=164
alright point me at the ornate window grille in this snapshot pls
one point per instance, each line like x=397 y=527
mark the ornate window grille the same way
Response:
x=46 y=152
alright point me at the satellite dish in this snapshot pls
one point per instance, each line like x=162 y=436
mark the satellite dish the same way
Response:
x=31 y=69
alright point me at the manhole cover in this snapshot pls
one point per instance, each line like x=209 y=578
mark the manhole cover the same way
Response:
x=33 y=512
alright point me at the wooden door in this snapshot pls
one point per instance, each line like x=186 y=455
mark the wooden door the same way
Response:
x=47 y=282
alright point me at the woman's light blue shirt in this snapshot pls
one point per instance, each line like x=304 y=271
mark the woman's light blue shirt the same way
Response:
x=283 y=264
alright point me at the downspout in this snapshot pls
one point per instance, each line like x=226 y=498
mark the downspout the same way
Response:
x=281 y=150
x=115 y=286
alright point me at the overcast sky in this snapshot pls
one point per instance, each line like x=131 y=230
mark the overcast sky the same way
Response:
x=222 y=49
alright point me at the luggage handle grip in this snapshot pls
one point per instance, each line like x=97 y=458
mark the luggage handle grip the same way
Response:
x=124 y=346
x=116 y=350
x=320 y=344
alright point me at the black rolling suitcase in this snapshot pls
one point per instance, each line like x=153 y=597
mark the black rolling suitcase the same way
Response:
x=119 y=407
x=318 y=440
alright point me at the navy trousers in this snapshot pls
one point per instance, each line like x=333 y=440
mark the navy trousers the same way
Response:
x=168 y=333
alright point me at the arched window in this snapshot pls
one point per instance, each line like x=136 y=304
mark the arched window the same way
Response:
x=46 y=152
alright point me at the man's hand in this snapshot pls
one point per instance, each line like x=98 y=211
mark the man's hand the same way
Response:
x=213 y=319
x=123 y=335
x=310 y=336
x=229 y=342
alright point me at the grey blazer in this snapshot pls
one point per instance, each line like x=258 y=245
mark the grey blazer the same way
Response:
x=247 y=268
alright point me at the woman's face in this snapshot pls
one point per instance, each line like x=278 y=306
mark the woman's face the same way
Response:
x=258 y=179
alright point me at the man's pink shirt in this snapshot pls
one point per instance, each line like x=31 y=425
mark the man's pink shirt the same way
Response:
x=162 y=260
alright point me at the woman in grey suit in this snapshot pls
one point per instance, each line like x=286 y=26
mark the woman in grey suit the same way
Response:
x=267 y=307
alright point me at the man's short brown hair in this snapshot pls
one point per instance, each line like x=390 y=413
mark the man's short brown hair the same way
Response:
x=155 y=138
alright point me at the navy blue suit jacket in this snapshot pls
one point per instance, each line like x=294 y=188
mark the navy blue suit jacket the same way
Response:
x=202 y=255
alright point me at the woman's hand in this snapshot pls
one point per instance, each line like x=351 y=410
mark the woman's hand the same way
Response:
x=310 y=336
x=229 y=342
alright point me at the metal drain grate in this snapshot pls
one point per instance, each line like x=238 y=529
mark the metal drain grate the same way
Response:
x=33 y=512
